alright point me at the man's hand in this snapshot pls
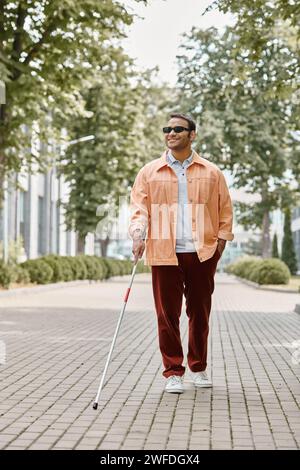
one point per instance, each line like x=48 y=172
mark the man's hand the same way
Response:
x=221 y=246
x=138 y=246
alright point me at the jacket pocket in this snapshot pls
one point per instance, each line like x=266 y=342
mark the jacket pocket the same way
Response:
x=202 y=189
x=159 y=190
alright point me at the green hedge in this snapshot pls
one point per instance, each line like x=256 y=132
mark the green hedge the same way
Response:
x=20 y=275
x=94 y=268
x=39 y=271
x=78 y=267
x=65 y=266
x=12 y=272
x=6 y=275
x=271 y=271
x=261 y=271
x=54 y=268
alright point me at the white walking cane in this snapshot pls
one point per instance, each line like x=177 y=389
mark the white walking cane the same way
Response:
x=95 y=405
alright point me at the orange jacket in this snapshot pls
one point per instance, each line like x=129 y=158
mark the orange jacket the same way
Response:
x=154 y=198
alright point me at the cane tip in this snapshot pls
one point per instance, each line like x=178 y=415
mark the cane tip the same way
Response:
x=95 y=406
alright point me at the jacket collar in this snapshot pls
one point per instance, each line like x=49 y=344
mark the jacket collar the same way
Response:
x=162 y=161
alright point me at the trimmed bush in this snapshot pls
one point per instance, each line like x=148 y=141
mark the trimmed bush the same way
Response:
x=78 y=267
x=68 y=274
x=94 y=269
x=245 y=268
x=39 y=271
x=104 y=266
x=142 y=268
x=54 y=268
x=128 y=266
x=51 y=260
x=17 y=273
x=271 y=271
x=65 y=267
x=121 y=266
x=111 y=269
x=116 y=267
x=21 y=274
x=229 y=268
x=261 y=271
x=6 y=275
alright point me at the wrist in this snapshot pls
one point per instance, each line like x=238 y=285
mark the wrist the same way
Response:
x=221 y=244
x=137 y=234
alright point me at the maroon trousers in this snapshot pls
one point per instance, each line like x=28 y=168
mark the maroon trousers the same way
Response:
x=196 y=281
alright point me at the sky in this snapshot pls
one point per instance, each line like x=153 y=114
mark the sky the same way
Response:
x=154 y=37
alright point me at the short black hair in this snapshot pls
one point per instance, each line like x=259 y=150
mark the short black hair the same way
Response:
x=189 y=119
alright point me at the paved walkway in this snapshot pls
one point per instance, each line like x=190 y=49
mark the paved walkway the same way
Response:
x=57 y=343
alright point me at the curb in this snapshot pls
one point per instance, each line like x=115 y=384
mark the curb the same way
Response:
x=260 y=287
x=55 y=285
x=37 y=289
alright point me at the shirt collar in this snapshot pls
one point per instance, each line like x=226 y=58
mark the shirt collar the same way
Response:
x=162 y=161
x=171 y=159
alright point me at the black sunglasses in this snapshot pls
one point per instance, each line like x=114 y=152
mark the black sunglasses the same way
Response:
x=176 y=129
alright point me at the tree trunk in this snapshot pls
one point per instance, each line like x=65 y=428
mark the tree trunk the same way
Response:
x=80 y=244
x=266 y=242
x=104 y=245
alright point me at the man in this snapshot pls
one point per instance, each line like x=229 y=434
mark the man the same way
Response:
x=182 y=201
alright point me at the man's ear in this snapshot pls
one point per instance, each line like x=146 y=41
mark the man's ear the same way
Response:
x=192 y=135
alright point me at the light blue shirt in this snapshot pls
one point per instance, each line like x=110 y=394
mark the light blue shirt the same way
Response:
x=184 y=240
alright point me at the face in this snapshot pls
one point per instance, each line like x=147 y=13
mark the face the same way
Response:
x=180 y=141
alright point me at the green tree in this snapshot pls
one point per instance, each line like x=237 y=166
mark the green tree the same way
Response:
x=242 y=125
x=288 y=254
x=49 y=50
x=126 y=115
x=259 y=23
x=275 y=253
x=256 y=24
x=156 y=102
x=97 y=171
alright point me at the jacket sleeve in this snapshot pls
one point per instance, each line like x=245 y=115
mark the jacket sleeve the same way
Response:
x=138 y=205
x=225 y=210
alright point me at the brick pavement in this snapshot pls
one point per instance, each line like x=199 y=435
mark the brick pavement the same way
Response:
x=57 y=343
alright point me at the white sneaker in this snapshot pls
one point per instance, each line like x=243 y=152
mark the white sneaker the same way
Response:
x=174 y=384
x=200 y=379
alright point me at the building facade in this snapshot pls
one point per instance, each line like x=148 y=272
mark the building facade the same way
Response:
x=33 y=213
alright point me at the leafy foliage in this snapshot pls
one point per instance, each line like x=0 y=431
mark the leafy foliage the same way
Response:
x=39 y=271
x=270 y=271
x=6 y=275
x=49 y=51
x=288 y=254
x=275 y=253
x=261 y=271
x=258 y=22
x=125 y=114
x=243 y=125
